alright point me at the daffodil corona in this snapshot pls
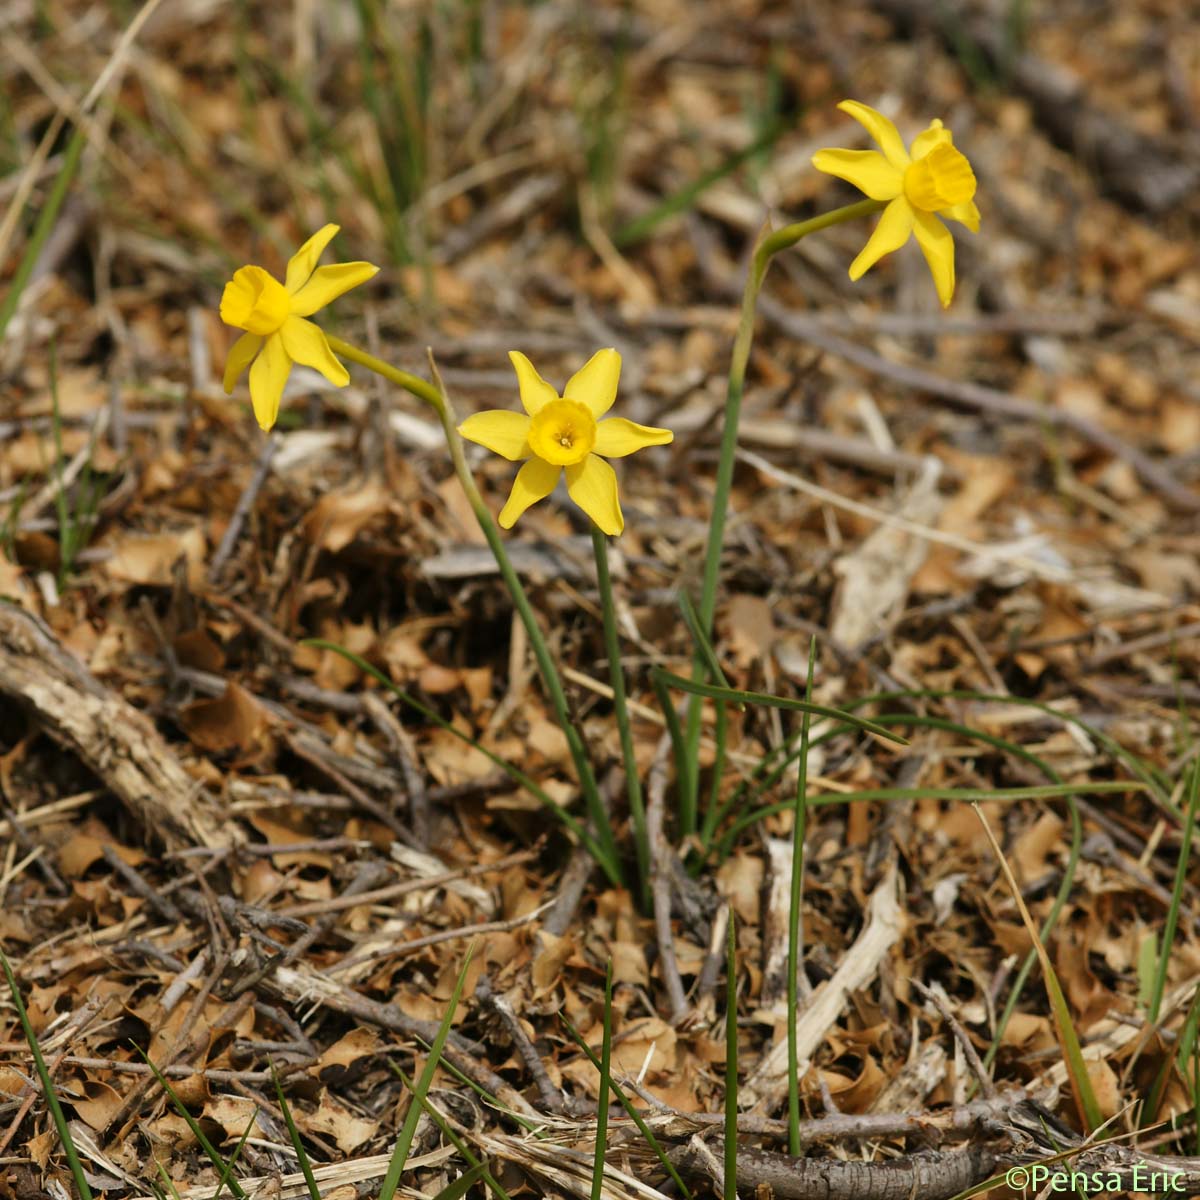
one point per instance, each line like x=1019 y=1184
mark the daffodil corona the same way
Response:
x=557 y=433
x=273 y=317
x=932 y=179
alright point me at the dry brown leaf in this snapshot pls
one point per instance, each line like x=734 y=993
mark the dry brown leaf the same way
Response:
x=629 y=963
x=346 y=1127
x=651 y=1040
x=1032 y=849
x=451 y=760
x=278 y=834
x=338 y=517
x=232 y=721
x=151 y=558
x=750 y=629
x=345 y=1060
x=548 y=961
x=1106 y=1087
x=100 y=1103
x=740 y=880
x=234 y=1114
x=196 y=648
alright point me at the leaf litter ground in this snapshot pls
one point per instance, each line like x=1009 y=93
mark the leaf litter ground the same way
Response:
x=228 y=848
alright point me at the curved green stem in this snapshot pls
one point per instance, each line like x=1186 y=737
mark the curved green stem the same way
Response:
x=768 y=245
x=612 y=647
x=435 y=396
x=421 y=388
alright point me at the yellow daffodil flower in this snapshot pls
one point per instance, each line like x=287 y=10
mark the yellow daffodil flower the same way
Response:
x=565 y=432
x=931 y=179
x=272 y=314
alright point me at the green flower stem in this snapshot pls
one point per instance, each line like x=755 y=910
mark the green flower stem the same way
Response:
x=437 y=399
x=612 y=646
x=769 y=245
x=422 y=389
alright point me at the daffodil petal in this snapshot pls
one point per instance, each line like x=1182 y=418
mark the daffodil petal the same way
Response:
x=534 y=482
x=618 y=437
x=886 y=135
x=300 y=265
x=592 y=484
x=927 y=139
x=868 y=170
x=500 y=431
x=241 y=355
x=966 y=214
x=595 y=383
x=535 y=391
x=328 y=283
x=890 y=234
x=306 y=344
x=267 y=377
x=937 y=244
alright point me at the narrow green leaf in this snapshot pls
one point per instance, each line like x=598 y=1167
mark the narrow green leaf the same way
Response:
x=436 y=1116
x=1068 y=1039
x=733 y=696
x=223 y=1168
x=310 y=1180
x=1172 y=922
x=683 y=199
x=48 y=1092
x=602 y=1098
x=703 y=644
x=684 y=767
x=45 y=222
x=408 y=1130
x=459 y=1187
x=634 y=1115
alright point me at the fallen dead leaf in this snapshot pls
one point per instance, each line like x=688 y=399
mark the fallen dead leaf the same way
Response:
x=232 y=721
x=338 y=518
x=151 y=558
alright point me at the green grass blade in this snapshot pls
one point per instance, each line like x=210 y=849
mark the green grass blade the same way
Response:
x=714 y=809
x=703 y=645
x=683 y=199
x=634 y=1115
x=224 y=1169
x=616 y=674
x=684 y=766
x=602 y=1098
x=231 y=1162
x=459 y=1187
x=167 y=1180
x=1172 y=922
x=310 y=1180
x=435 y=1115
x=51 y=1097
x=732 y=695
x=1156 y=781
x=1068 y=1039
x=408 y=1130
x=45 y=223
x=1012 y=795
x=1173 y=1062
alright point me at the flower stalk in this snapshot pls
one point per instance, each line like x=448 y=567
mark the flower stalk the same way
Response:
x=633 y=783
x=768 y=245
x=435 y=396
